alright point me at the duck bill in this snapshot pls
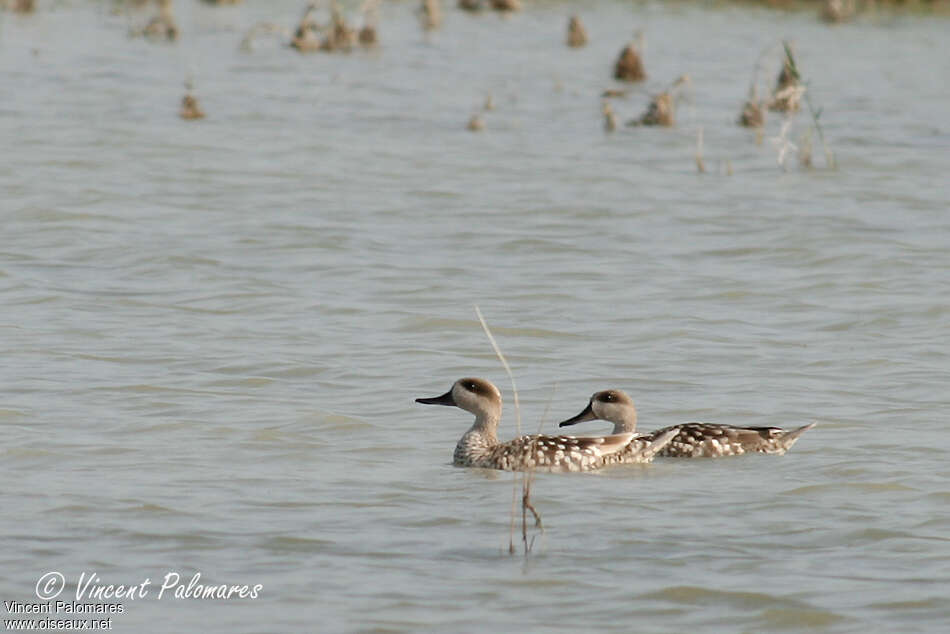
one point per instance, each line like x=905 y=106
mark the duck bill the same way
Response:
x=445 y=399
x=587 y=414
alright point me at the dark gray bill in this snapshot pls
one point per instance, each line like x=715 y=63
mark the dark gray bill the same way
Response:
x=445 y=399
x=587 y=414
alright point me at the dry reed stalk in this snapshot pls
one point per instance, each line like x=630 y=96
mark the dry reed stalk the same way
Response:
x=430 y=14
x=753 y=110
x=699 y=152
x=511 y=523
x=526 y=481
x=798 y=90
x=783 y=143
x=526 y=476
x=610 y=119
x=804 y=149
x=504 y=363
x=526 y=505
x=830 y=162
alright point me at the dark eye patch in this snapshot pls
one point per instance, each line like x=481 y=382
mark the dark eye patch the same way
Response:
x=607 y=397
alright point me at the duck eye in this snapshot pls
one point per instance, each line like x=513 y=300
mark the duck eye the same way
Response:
x=470 y=386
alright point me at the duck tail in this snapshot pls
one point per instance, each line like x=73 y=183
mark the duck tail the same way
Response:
x=788 y=438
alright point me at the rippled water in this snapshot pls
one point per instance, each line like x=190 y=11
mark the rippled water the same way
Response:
x=213 y=331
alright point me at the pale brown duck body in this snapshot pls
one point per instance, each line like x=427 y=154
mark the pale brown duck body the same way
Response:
x=479 y=446
x=690 y=440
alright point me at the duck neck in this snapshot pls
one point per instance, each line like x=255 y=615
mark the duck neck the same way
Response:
x=481 y=437
x=627 y=423
x=486 y=426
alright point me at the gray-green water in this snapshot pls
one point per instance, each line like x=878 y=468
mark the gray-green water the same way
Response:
x=212 y=332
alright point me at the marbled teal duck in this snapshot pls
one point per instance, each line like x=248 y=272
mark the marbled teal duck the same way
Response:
x=691 y=440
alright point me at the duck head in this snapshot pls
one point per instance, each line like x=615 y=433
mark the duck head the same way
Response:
x=478 y=396
x=610 y=405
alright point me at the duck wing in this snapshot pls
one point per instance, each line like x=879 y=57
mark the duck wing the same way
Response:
x=557 y=453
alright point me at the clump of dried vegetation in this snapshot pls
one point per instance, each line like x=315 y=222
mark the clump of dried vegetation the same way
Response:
x=787 y=96
x=161 y=26
x=753 y=113
x=367 y=35
x=629 y=64
x=753 y=110
x=339 y=36
x=477 y=121
x=307 y=35
x=19 y=6
x=336 y=35
x=503 y=6
x=805 y=156
x=576 y=33
x=190 y=110
x=506 y=5
x=659 y=112
x=662 y=108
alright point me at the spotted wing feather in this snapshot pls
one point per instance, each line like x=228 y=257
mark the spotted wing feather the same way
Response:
x=555 y=453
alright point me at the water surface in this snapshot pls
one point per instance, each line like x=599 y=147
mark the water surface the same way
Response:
x=213 y=331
